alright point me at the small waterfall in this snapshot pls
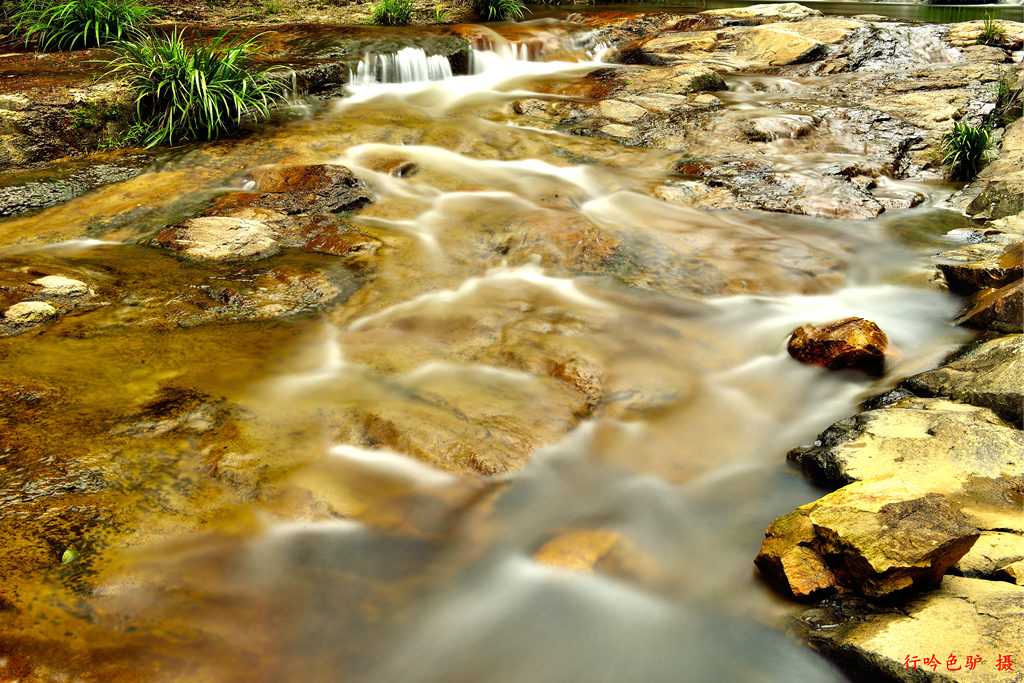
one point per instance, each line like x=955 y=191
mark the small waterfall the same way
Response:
x=408 y=65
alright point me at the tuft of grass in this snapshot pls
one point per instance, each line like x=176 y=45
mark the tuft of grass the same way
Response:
x=392 y=13
x=965 y=149
x=440 y=15
x=500 y=10
x=194 y=93
x=991 y=32
x=71 y=24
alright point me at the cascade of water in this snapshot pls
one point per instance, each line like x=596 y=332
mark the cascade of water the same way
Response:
x=408 y=65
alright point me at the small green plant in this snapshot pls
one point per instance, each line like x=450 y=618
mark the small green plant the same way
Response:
x=71 y=24
x=194 y=92
x=392 y=13
x=500 y=10
x=440 y=15
x=965 y=148
x=991 y=32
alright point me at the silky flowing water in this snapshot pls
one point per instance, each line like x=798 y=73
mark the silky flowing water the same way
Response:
x=234 y=521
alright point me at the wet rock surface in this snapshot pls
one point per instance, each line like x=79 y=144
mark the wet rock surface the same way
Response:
x=874 y=537
x=853 y=343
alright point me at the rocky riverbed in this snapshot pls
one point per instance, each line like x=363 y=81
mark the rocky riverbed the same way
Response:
x=454 y=369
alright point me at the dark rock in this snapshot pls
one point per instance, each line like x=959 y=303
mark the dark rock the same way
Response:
x=850 y=343
x=874 y=537
x=980 y=266
x=997 y=309
x=989 y=374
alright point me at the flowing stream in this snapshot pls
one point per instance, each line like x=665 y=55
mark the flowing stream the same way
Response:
x=373 y=489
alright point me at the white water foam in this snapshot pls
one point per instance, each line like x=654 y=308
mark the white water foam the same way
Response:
x=408 y=65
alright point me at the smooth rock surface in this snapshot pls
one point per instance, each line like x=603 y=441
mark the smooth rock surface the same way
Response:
x=872 y=537
x=991 y=553
x=220 y=238
x=936 y=443
x=849 y=343
x=988 y=374
x=58 y=285
x=998 y=309
x=983 y=265
x=962 y=617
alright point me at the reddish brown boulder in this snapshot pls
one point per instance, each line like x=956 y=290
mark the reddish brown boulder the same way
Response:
x=316 y=188
x=999 y=309
x=850 y=343
x=872 y=537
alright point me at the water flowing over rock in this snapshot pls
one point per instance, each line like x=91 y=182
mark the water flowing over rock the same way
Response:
x=873 y=537
x=852 y=343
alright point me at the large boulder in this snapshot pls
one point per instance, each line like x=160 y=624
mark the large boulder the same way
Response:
x=301 y=189
x=936 y=443
x=873 y=537
x=971 y=267
x=988 y=374
x=998 y=309
x=849 y=343
x=983 y=620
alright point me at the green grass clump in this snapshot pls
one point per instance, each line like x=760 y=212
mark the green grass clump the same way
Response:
x=991 y=32
x=392 y=13
x=440 y=15
x=194 y=92
x=71 y=24
x=500 y=10
x=965 y=148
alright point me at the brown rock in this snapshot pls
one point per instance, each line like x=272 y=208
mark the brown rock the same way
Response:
x=578 y=551
x=872 y=537
x=850 y=343
x=980 y=266
x=317 y=188
x=999 y=309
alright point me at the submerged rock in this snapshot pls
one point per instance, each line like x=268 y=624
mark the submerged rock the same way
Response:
x=220 y=238
x=58 y=285
x=962 y=618
x=988 y=374
x=873 y=537
x=852 y=343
